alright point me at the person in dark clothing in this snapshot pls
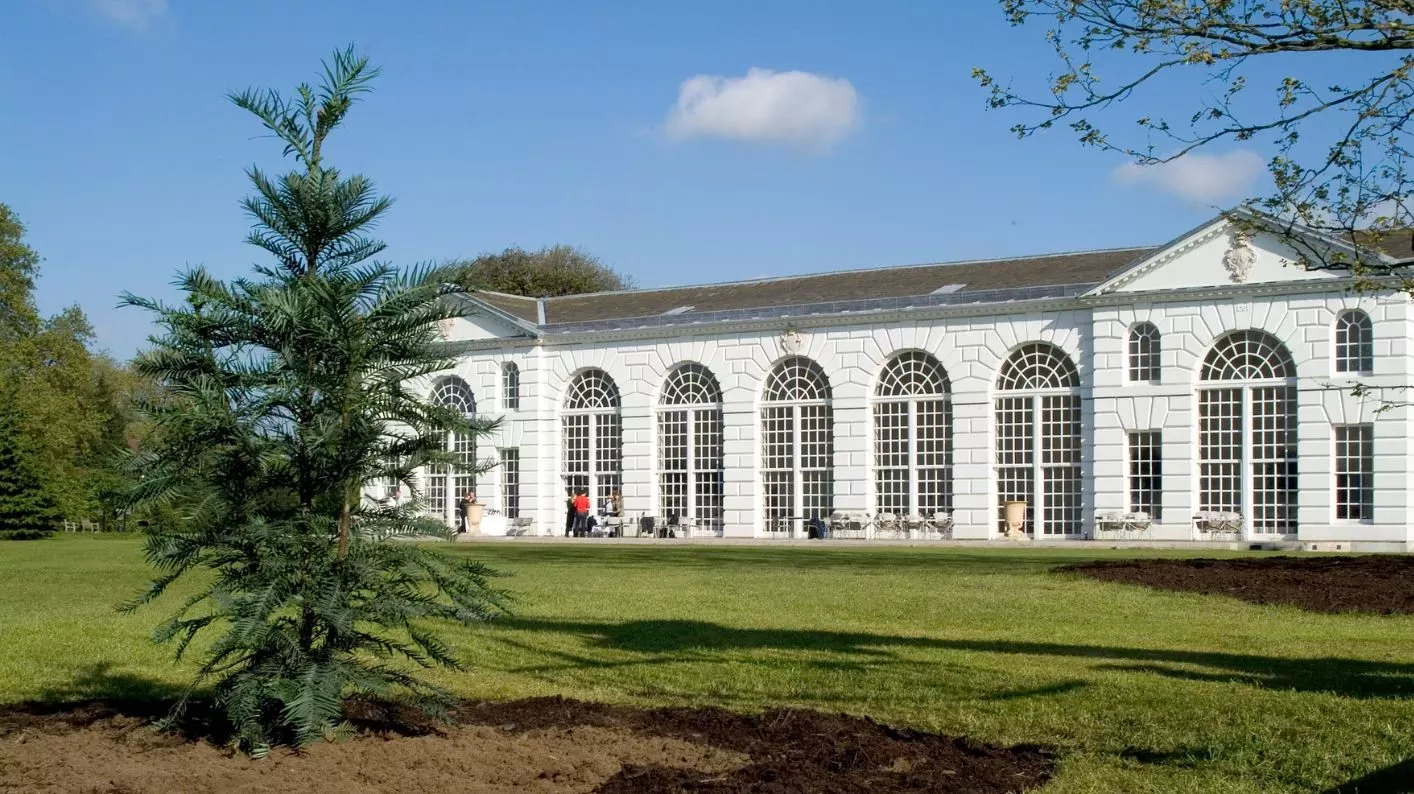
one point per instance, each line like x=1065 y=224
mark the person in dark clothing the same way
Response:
x=461 y=516
x=569 y=511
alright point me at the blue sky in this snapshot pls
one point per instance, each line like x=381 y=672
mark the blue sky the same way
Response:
x=533 y=123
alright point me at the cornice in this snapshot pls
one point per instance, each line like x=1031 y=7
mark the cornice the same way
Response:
x=1011 y=308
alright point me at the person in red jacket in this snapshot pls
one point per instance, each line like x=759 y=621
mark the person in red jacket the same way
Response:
x=581 y=513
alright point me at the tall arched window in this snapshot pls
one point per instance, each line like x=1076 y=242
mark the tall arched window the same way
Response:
x=1354 y=342
x=797 y=443
x=1247 y=432
x=510 y=386
x=690 y=446
x=913 y=437
x=443 y=488
x=593 y=435
x=1144 y=353
x=1038 y=438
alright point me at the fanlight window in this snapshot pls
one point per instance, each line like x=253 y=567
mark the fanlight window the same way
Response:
x=1038 y=365
x=592 y=436
x=797 y=379
x=1247 y=432
x=913 y=437
x=691 y=384
x=454 y=393
x=443 y=488
x=1248 y=355
x=1038 y=439
x=797 y=444
x=1354 y=342
x=690 y=448
x=592 y=389
x=1144 y=353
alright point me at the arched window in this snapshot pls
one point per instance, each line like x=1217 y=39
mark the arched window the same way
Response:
x=690 y=447
x=797 y=443
x=1144 y=353
x=1038 y=438
x=1354 y=342
x=1247 y=432
x=443 y=488
x=913 y=437
x=592 y=436
x=510 y=386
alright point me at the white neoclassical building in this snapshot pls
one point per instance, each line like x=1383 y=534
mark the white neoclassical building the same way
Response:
x=1204 y=383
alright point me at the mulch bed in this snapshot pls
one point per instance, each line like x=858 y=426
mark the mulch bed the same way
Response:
x=1382 y=584
x=539 y=745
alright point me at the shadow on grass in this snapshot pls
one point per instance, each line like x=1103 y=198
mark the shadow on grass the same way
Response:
x=796 y=559
x=1396 y=779
x=694 y=640
x=1186 y=757
x=98 y=693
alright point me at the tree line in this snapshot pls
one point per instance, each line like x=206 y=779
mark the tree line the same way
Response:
x=69 y=413
x=65 y=409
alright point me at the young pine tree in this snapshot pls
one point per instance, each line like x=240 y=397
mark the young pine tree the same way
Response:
x=288 y=392
x=26 y=511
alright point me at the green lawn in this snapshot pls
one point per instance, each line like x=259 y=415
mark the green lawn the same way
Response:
x=1141 y=691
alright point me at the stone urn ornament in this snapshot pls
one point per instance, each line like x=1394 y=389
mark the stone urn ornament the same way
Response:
x=1015 y=514
x=474 y=512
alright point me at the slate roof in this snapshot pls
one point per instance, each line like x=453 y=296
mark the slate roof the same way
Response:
x=1009 y=279
x=1397 y=245
x=519 y=306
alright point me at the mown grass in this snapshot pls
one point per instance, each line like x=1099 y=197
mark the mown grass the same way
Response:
x=1142 y=691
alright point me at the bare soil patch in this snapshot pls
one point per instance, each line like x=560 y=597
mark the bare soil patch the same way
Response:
x=1382 y=584
x=538 y=745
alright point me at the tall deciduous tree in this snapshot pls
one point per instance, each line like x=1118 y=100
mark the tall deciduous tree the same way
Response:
x=1261 y=69
x=288 y=393
x=546 y=273
x=62 y=409
x=19 y=265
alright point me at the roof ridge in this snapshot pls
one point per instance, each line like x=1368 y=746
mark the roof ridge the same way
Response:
x=501 y=294
x=768 y=279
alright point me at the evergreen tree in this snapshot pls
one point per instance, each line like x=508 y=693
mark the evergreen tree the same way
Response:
x=26 y=511
x=286 y=394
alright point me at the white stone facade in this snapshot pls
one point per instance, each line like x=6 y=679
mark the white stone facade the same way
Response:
x=1184 y=290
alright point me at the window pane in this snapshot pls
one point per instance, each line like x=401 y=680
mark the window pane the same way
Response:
x=510 y=482
x=1354 y=472
x=1146 y=473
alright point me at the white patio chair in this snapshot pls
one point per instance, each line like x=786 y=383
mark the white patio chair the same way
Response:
x=888 y=525
x=940 y=525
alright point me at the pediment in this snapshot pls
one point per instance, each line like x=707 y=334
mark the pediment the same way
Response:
x=483 y=322
x=1217 y=254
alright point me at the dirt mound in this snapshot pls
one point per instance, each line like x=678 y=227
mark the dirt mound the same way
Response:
x=538 y=745
x=1382 y=584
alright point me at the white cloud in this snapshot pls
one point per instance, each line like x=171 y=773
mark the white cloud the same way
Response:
x=799 y=108
x=135 y=14
x=1203 y=178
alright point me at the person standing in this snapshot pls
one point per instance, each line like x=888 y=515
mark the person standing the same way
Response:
x=461 y=516
x=581 y=513
x=569 y=511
